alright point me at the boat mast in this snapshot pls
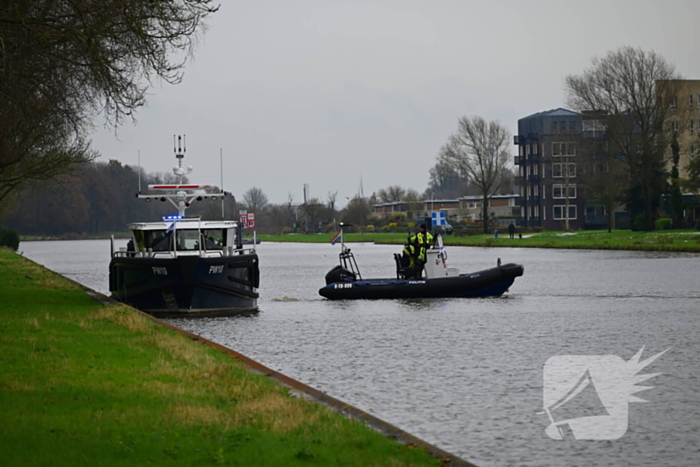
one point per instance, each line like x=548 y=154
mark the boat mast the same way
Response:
x=184 y=194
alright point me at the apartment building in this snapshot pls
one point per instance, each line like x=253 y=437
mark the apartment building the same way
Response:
x=549 y=167
x=683 y=119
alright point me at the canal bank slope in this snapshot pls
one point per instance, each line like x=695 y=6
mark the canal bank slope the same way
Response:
x=664 y=240
x=90 y=383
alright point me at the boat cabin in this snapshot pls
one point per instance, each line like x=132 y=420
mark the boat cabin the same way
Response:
x=183 y=237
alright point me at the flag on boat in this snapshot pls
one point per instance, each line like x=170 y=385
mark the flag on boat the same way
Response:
x=170 y=229
x=338 y=236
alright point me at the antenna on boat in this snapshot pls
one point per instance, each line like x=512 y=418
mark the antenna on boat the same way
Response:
x=221 y=169
x=139 y=171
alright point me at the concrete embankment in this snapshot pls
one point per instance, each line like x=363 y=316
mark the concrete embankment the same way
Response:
x=85 y=380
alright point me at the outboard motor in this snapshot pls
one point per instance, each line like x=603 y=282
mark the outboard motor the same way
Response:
x=339 y=274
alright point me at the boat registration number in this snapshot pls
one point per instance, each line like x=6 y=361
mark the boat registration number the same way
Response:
x=342 y=286
x=159 y=270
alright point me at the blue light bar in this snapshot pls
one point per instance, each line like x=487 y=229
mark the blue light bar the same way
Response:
x=169 y=218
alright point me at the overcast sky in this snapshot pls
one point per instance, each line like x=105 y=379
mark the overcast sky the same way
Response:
x=339 y=93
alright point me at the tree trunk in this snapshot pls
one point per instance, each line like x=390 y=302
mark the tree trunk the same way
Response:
x=486 y=213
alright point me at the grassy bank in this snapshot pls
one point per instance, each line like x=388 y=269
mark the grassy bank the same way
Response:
x=666 y=240
x=86 y=384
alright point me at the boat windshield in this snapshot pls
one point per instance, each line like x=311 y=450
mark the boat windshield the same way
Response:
x=186 y=239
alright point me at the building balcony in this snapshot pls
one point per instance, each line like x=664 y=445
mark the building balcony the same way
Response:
x=525 y=139
x=518 y=160
x=533 y=200
x=533 y=178
x=533 y=157
x=520 y=201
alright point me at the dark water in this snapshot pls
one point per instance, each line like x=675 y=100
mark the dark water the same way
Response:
x=467 y=374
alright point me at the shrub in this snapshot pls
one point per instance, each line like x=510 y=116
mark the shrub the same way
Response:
x=9 y=238
x=370 y=228
x=638 y=223
x=663 y=223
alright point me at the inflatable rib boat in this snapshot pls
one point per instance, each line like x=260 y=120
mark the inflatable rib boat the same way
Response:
x=345 y=281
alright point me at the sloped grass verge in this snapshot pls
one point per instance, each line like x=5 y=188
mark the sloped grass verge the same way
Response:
x=86 y=384
x=665 y=240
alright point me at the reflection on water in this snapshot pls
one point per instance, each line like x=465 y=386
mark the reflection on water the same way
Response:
x=466 y=374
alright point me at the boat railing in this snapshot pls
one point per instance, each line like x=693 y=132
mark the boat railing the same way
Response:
x=226 y=251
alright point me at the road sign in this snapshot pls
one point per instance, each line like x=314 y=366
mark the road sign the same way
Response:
x=439 y=218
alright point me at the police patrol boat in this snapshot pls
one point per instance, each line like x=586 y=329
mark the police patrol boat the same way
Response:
x=345 y=281
x=185 y=265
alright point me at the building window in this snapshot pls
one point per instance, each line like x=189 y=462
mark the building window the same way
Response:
x=690 y=125
x=674 y=103
x=560 y=170
x=553 y=127
x=674 y=126
x=560 y=191
x=690 y=100
x=564 y=149
x=692 y=151
x=560 y=211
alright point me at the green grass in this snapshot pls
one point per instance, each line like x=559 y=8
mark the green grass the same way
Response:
x=665 y=240
x=86 y=384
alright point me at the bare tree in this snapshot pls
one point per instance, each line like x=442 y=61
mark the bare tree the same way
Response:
x=393 y=194
x=629 y=89
x=479 y=153
x=414 y=202
x=255 y=199
x=330 y=202
x=445 y=182
x=312 y=208
x=62 y=63
x=356 y=212
x=279 y=217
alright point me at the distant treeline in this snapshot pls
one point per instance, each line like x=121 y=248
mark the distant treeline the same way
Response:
x=99 y=197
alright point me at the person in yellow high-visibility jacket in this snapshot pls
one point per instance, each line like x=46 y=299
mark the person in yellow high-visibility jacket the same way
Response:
x=421 y=241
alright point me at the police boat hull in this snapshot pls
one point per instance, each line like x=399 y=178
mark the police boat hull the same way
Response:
x=493 y=282
x=186 y=285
